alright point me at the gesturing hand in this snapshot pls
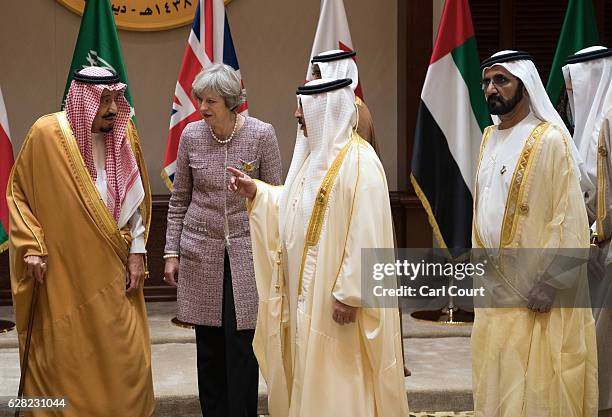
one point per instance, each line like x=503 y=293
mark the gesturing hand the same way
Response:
x=242 y=183
x=36 y=267
x=342 y=313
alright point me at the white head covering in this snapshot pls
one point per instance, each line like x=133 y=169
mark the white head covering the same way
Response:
x=340 y=68
x=539 y=102
x=329 y=118
x=589 y=90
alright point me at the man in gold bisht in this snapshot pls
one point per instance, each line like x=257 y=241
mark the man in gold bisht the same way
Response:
x=321 y=352
x=337 y=64
x=80 y=208
x=588 y=78
x=529 y=360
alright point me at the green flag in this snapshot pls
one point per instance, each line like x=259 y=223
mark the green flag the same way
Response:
x=98 y=44
x=579 y=31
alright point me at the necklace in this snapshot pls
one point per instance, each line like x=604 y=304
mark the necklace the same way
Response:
x=230 y=137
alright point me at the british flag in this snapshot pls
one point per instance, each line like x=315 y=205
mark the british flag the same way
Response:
x=210 y=42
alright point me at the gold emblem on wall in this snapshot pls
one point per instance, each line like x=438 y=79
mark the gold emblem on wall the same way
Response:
x=145 y=15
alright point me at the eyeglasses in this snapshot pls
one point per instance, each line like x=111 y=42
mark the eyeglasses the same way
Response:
x=498 y=80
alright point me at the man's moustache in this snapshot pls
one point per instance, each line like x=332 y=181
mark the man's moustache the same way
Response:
x=109 y=116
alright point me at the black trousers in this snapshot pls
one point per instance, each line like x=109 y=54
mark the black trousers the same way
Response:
x=228 y=374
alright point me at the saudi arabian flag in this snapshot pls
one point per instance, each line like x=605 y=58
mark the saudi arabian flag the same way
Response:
x=451 y=118
x=578 y=32
x=98 y=44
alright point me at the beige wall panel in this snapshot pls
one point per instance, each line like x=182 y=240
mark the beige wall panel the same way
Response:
x=273 y=39
x=27 y=63
x=438 y=8
x=374 y=32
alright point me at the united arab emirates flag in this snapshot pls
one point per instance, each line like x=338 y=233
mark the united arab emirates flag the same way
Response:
x=578 y=32
x=98 y=45
x=451 y=118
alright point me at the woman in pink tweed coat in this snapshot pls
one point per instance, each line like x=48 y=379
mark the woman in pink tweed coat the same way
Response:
x=208 y=245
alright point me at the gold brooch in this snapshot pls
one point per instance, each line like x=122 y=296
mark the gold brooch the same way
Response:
x=248 y=166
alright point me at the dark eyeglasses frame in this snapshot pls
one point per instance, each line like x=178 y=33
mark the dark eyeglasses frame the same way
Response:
x=498 y=80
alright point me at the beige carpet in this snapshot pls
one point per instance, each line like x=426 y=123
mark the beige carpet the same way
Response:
x=437 y=355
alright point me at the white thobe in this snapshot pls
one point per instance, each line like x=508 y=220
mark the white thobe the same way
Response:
x=137 y=228
x=499 y=159
x=302 y=352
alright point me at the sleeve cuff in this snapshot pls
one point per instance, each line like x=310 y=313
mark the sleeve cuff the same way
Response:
x=39 y=253
x=252 y=203
x=138 y=245
x=350 y=301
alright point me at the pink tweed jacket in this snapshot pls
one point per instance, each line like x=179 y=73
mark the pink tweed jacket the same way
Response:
x=202 y=210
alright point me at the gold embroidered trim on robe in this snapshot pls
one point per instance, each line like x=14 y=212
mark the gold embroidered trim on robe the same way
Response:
x=320 y=205
x=602 y=154
x=516 y=191
x=145 y=210
x=517 y=186
x=315 y=223
x=91 y=194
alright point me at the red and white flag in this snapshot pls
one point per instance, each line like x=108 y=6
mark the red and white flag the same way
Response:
x=332 y=33
x=6 y=163
x=210 y=42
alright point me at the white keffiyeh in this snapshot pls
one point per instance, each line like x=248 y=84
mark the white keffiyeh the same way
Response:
x=330 y=118
x=539 y=102
x=339 y=69
x=589 y=89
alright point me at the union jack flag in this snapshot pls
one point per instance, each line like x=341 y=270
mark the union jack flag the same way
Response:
x=210 y=42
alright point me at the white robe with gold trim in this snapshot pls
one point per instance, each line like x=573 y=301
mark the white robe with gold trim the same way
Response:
x=528 y=364
x=314 y=366
x=599 y=208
